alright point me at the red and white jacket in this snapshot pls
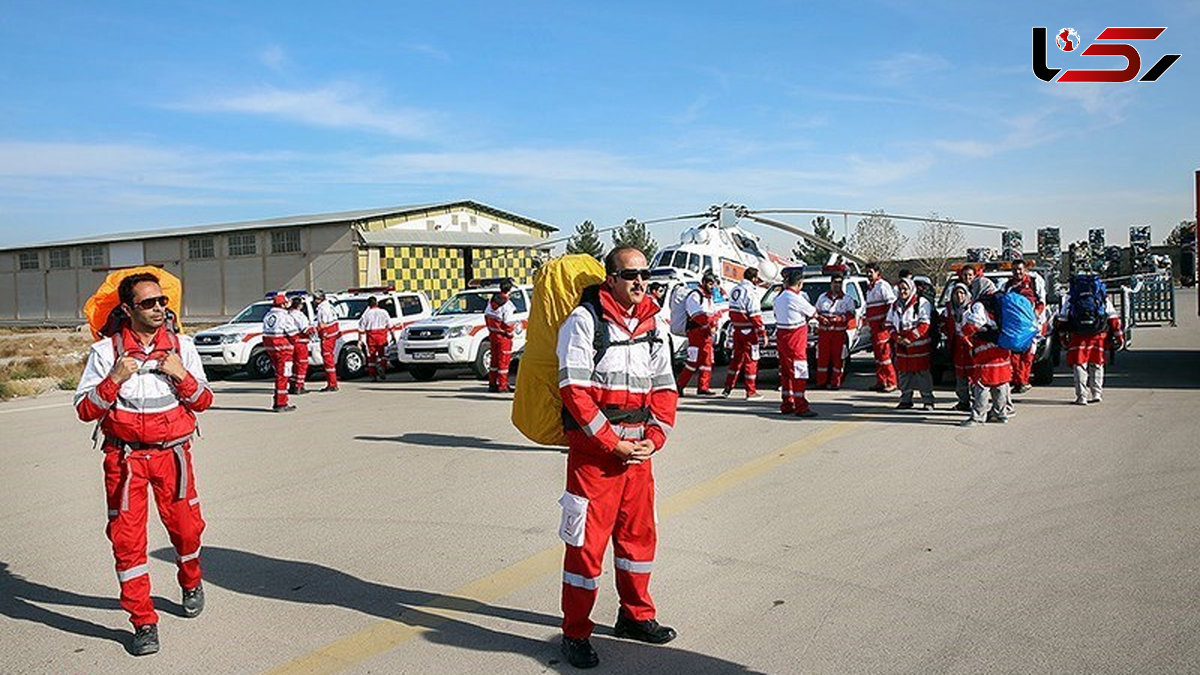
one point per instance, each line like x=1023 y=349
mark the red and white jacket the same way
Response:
x=793 y=311
x=303 y=325
x=911 y=320
x=836 y=312
x=880 y=296
x=745 y=309
x=1091 y=349
x=633 y=377
x=701 y=310
x=992 y=364
x=149 y=407
x=500 y=316
x=327 y=322
x=374 y=324
x=279 y=329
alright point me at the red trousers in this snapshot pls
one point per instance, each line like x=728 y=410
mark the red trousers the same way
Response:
x=744 y=358
x=1022 y=367
x=606 y=499
x=881 y=343
x=793 y=369
x=377 y=342
x=699 y=357
x=831 y=350
x=299 y=363
x=281 y=353
x=501 y=357
x=126 y=478
x=329 y=360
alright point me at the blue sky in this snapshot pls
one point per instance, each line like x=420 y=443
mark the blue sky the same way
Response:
x=139 y=115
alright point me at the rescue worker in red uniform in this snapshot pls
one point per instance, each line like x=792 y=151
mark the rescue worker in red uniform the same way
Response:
x=793 y=312
x=145 y=385
x=618 y=408
x=329 y=332
x=300 y=342
x=1086 y=353
x=279 y=332
x=1032 y=287
x=880 y=297
x=701 y=327
x=835 y=315
x=749 y=334
x=374 y=329
x=991 y=363
x=908 y=321
x=954 y=319
x=500 y=317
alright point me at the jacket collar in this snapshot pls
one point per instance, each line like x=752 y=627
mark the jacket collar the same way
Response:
x=646 y=312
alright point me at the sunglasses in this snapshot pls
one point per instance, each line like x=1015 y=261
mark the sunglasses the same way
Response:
x=149 y=303
x=631 y=274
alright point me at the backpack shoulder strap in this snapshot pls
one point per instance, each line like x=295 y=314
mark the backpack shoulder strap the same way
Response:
x=600 y=339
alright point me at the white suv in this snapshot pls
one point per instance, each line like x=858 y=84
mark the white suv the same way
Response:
x=854 y=286
x=237 y=345
x=456 y=336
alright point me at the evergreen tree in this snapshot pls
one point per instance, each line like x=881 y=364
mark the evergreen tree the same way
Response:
x=634 y=234
x=586 y=241
x=811 y=253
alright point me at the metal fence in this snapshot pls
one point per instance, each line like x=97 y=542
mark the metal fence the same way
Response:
x=1151 y=299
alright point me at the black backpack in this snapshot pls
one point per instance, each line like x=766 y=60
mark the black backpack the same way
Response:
x=600 y=338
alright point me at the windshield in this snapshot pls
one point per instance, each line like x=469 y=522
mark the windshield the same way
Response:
x=465 y=303
x=253 y=314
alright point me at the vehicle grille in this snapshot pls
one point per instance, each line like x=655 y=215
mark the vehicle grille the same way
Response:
x=207 y=340
x=436 y=333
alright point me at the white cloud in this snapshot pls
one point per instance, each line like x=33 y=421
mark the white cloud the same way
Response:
x=428 y=50
x=273 y=57
x=905 y=66
x=338 y=105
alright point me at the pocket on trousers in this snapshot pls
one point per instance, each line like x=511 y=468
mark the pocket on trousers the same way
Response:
x=754 y=352
x=693 y=354
x=800 y=369
x=574 y=519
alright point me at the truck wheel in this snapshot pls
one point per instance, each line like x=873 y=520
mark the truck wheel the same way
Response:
x=939 y=374
x=483 y=360
x=422 y=372
x=1043 y=371
x=351 y=363
x=722 y=355
x=259 y=364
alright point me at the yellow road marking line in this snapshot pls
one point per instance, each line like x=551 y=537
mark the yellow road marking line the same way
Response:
x=385 y=635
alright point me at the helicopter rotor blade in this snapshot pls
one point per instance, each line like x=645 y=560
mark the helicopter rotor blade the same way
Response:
x=893 y=216
x=810 y=238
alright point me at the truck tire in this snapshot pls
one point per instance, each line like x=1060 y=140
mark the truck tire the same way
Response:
x=721 y=354
x=422 y=372
x=259 y=364
x=352 y=364
x=483 y=360
x=1043 y=372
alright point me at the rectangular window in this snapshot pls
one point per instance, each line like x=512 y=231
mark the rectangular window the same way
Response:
x=91 y=256
x=243 y=244
x=285 y=241
x=409 y=305
x=27 y=260
x=200 y=248
x=60 y=258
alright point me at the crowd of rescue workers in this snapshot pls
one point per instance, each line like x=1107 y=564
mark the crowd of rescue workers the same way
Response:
x=144 y=384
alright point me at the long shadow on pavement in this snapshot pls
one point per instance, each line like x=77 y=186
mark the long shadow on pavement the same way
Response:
x=452 y=441
x=311 y=583
x=833 y=411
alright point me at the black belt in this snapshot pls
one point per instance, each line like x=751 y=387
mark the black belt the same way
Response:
x=614 y=415
x=177 y=446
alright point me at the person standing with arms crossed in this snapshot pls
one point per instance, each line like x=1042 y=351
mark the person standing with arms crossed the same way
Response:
x=328 y=331
x=793 y=311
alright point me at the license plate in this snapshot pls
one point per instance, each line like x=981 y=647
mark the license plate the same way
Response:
x=422 y=356
x=205 y=358
x=768 y=354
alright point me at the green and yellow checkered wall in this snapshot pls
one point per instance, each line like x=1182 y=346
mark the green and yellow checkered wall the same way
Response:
x=440 y=271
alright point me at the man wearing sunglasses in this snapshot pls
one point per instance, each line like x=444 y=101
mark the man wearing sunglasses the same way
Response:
x=145 y=385
x=619 y=400
x=701 y=328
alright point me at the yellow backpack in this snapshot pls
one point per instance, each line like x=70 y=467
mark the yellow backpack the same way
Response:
x=557 y=289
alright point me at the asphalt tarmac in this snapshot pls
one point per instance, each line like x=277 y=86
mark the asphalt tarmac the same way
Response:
x=405 y=527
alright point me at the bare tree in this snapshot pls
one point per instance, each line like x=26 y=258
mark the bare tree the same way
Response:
x=877 y=238
x=938 y=242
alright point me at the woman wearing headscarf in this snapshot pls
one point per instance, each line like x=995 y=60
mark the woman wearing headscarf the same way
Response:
x=908 y=319
x=992 y=364
x=954 y=319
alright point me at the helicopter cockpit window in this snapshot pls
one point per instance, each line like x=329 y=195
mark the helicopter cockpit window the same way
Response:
x=693 y=263
x=708 y=264
x=680 y=260
x=746 y=244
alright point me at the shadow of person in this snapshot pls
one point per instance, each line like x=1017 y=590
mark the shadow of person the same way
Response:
x=453 y=441
x=314 y=584
x=18 y=595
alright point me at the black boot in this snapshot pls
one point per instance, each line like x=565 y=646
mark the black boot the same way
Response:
x=642 y=631
x=579 y=653
x=193 y=601
x=145 y=640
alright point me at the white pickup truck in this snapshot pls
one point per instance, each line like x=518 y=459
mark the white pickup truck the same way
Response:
x=456 y=336
x=237 y=345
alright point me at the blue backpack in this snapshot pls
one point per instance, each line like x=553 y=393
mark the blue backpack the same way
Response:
x=1088 y=298
x=1018 y=325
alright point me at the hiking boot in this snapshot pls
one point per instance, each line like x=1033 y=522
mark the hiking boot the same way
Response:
x=707 y=393
x=193 y=601
x=579 y=653
x=807 y=413
x=725 y=393
x=1095 y=400
x=904 y=405
x=1080 y=401
x=643 y=631
x=329 y=388
x=145 y=640
x=1022 y=388
x=927 y=406
x=283 y=408
x=754 y=397
x=962 y=407
x=968 y=423
x=887 y=390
